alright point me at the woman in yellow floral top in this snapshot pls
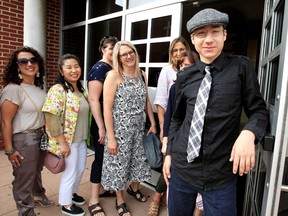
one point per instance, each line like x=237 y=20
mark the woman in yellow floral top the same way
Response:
x=66 y=111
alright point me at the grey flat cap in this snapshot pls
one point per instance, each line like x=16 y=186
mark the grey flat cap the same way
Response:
x=205 y=17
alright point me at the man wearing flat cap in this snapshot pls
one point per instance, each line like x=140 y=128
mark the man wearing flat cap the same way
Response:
x=206 y=149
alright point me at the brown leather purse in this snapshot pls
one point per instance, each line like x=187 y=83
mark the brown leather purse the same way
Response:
x=54 y=163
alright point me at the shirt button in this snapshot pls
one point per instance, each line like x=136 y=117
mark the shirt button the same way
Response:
x=208 y=110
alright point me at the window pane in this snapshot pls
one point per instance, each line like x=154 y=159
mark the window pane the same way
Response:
x=72 y=14
x=161 y=27
x=263 y=85
x=96 y=32
x=267 y=39
x=139 y=30
x=159 y=52
x=272 y=83
x=270 y=2
x=73 y=42
x=136 y=3
x=154 y=74
x=103 y=7
x=261 y=176
x=283 y=208
x=141 y=49
x=279 y=25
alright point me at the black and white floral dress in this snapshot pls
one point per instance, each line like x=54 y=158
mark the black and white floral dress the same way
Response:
x=129 y=165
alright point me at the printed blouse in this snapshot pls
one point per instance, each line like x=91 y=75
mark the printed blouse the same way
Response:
x=62 y=103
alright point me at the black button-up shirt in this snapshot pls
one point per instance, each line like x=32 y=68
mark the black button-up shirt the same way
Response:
x=234 y=87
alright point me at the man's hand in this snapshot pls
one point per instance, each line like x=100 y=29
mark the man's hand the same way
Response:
x=243 y=153
x=167 y=169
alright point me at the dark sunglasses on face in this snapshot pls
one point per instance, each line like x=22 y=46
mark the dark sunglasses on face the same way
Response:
x=24 y=61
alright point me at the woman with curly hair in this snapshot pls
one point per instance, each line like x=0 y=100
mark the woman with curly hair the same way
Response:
x=22 y=125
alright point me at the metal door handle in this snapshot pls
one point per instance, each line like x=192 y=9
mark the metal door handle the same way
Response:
x=284 y=188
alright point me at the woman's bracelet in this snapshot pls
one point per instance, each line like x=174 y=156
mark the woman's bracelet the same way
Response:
x=9 y=152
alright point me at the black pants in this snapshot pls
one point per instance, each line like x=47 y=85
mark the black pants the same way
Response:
x=96 y=168
x=161 y=186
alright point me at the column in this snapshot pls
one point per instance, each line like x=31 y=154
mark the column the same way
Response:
x=35 y=25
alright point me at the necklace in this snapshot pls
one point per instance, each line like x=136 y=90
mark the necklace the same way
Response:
x=130 y=75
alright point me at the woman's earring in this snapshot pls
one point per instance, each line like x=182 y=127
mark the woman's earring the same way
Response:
x=38 y=74
x=19 y=75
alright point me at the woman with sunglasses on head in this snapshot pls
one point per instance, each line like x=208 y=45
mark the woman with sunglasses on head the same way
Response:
x=66 y=111
x=96 y=79
x=125 y=100
x=22 y=126
x=185 y=60
x=166 y=79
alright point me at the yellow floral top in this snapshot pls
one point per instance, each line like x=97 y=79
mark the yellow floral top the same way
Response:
x=58 y=102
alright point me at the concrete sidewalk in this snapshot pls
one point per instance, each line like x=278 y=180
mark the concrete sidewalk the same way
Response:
x=51 y=183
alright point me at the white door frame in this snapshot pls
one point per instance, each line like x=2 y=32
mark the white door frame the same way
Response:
x=175 y=10
x=278 y=112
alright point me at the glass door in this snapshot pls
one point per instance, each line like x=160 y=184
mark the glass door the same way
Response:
x=151 y=32
x=266 y=192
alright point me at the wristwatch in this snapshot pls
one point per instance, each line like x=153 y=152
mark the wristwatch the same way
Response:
x=9 y=152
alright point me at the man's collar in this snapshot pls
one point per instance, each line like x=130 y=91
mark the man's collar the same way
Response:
x=216 y=64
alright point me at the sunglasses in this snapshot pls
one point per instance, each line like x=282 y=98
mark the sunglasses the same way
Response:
x=24 y=61
x=110 y=37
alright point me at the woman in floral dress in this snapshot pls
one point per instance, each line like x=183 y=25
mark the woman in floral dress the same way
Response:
x=125 y=100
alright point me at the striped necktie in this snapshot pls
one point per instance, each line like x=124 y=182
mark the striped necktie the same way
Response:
x=196 y=128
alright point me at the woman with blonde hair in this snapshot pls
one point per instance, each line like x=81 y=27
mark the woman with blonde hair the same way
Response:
x=125 y=100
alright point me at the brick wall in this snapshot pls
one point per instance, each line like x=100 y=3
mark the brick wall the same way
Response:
x=11 y=28
x=53 y=40
x=11 y=36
